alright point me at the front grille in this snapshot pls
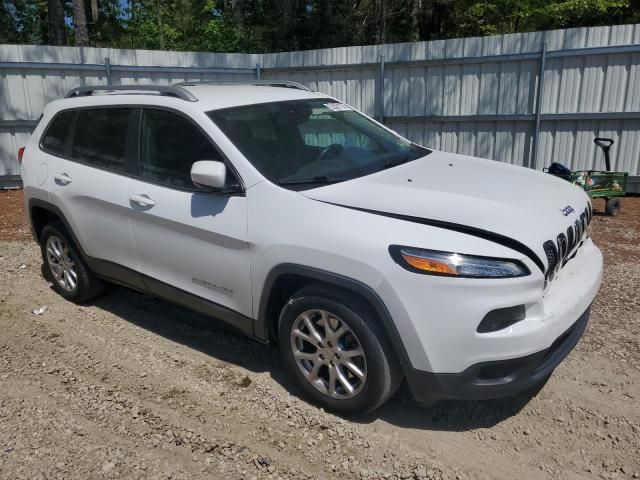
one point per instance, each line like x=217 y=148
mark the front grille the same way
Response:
x=551 y=252
x=571 y=238
x=562 y=249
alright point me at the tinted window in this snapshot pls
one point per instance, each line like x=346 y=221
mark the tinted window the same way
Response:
x=100 y=137
x=55 y=138
x=169 y=145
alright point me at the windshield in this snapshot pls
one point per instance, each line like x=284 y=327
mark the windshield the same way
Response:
x=302 y=143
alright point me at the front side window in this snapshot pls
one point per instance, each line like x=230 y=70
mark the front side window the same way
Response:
x=54 y=140
x=301 y=143
x=100 y=137
x=169 y=145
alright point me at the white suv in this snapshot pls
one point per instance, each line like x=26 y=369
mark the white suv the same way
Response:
x=300 y=221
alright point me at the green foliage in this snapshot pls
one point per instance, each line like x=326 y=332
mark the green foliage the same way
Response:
x=282 y=25
x=578 y=12
x=510 y=16
x=25 y=20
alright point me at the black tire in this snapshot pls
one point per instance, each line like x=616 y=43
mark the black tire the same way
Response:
x=383 y=373
x=87 y=286
x=613 y=206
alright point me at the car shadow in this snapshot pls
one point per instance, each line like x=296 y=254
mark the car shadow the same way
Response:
x=447 y=415
x=220 y=341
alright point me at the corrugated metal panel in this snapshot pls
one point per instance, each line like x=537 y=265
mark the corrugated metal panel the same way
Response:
x=460 y=84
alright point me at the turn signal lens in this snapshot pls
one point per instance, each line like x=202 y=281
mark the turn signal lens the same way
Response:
x=436 y=262
x=429 y=265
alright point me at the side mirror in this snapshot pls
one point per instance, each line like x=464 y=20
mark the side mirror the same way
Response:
x=209 y=174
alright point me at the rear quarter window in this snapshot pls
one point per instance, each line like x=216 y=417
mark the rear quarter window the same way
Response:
x=56 y=135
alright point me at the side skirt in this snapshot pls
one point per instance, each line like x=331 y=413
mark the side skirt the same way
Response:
x=129 y=278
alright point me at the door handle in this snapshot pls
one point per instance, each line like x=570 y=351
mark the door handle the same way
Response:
x=62 y=179
x=142 y=200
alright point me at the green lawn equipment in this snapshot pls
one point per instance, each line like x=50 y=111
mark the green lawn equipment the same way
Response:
x=607 y=185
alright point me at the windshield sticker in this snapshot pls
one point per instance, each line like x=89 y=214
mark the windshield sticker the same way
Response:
x=338 y=107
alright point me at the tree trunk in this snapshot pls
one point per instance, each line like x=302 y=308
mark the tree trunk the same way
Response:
x=416 y=20
x=80 y=24
x=56 y=22
x=159 y=20
x=94 y=11
x=381 y=21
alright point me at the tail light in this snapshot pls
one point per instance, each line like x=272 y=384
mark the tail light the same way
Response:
x=20 y=154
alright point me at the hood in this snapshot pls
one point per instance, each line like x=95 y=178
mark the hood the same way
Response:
x=504 y=203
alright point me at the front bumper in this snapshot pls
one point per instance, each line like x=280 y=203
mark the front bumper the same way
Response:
x=496 y=379
x=437 y=317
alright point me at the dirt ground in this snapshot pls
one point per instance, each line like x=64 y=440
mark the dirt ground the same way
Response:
x=131 y=387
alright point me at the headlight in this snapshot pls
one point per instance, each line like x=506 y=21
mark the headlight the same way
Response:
x=434 y=262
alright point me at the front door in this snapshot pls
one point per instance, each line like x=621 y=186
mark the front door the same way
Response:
x=186 y=238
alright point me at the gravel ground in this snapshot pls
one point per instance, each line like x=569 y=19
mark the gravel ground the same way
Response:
x=131 y=387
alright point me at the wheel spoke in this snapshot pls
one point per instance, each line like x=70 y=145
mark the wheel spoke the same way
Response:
x=312 y=375
x=332 y=380
x=299 y=333
x=345 y=382
x=312 y=329
x=52 y=253
x=336 y=335
x=71 y=278
x=58 y=247
x=312 y=357
x=357 y=352
x=354 y=369
x=56 y=268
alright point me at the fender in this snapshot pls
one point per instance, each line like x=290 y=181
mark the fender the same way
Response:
x=263 y=324
x=36 y=202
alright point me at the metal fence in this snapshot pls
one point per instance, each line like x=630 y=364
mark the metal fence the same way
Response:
x=527 y=99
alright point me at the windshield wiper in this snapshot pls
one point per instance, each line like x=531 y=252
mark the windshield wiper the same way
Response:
x=318 y=179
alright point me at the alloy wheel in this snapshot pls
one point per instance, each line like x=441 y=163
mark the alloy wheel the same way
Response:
x=329 y=354
x=61 y=264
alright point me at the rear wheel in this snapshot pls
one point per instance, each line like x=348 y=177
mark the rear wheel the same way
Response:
x=613 y=206
x=332 y=344
x=64 y=267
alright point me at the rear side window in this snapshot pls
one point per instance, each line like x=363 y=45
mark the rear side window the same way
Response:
x=55 y=138
x=169 y=145
x=100 y=137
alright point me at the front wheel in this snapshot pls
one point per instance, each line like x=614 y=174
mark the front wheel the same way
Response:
x=332 y=344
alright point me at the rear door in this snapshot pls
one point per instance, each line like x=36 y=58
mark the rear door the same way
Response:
x=193 y=241
x=87 y=181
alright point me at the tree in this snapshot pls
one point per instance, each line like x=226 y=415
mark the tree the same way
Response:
x=55 y=15
x=80 y=29
x=281 y=25
x=8 y=32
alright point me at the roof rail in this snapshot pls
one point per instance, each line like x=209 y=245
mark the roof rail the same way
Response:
x=164 y=90
x=266 y=83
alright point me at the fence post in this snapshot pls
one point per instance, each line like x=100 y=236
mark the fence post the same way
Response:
x=258 y=72
x=380 y=106
x=107 y=67
x=533 y=161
